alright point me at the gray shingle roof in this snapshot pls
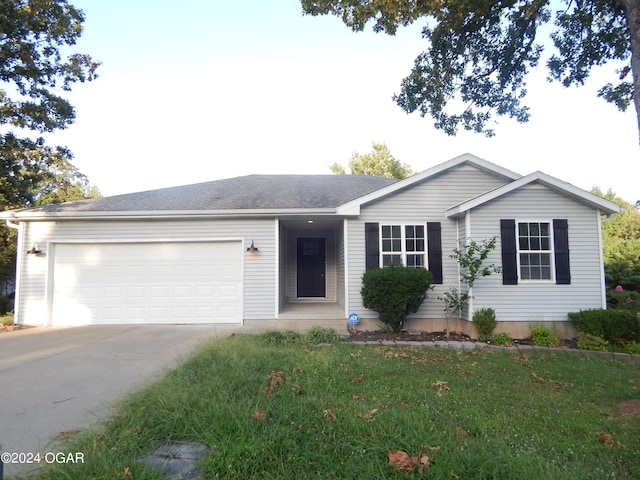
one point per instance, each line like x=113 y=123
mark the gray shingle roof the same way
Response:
x=251 y=192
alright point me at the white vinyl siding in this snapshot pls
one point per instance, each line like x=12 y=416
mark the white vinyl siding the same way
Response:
x=418 y=204
x=541 y=300
x=259 y=294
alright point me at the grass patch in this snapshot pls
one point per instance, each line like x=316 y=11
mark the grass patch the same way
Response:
x=6 y=319
x=274 y=411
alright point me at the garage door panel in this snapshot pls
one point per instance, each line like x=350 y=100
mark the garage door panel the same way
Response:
x=195 y=282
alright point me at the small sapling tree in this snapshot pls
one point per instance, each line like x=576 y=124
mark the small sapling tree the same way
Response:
x=471 y=257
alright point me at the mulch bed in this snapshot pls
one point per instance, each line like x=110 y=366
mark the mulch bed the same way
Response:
x=424 y=336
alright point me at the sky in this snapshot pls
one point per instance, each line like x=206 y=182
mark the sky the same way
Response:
x=199 y=90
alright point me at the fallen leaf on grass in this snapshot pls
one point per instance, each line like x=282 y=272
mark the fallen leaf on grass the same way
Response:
x=598 y=384
x=369 y=415
x=440 y=385
x=402 y=461
x=127 y=473
x=259 y=415
x=356 y=378
x=357 y=397
x=607 y=439
x=328 y=415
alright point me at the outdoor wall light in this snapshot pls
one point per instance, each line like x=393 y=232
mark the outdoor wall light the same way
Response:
x=252 y=248
x=35 y=250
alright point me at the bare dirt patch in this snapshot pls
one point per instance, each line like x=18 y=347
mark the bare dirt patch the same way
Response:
x=630 y=408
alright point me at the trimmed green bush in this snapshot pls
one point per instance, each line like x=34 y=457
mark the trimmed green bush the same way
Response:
x=501 y=339
x=485 y=321
x=588 y=341
x=615 y=326
x=543 y=337
x=395 y=292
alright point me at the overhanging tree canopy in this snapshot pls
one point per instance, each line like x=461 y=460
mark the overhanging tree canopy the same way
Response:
x=481 y=50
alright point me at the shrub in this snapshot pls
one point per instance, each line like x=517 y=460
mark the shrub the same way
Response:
x=281 y=337
x=6 y=303
x=588 y=341
x=485 y=321
x=620 y=299
x=395 y=292
x=501 y=339
x=613 y=325
x=322 y=335
x=631 y=347
x=543 y=337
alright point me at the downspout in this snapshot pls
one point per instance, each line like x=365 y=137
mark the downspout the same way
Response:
x=16 y=297
x=601 y=253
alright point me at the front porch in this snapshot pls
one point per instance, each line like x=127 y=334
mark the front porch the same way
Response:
x=311 y=269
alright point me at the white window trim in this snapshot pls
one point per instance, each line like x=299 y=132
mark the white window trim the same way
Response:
x=552 y=260
x=403 y=237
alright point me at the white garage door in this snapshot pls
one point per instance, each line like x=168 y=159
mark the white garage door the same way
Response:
x=191 y=282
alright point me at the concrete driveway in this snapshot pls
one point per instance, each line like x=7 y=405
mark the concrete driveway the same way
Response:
x=55 y=380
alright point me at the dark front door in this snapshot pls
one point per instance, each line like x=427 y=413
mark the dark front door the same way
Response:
x=311 y=267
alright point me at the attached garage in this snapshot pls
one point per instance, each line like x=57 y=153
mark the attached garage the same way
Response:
x=137 y=283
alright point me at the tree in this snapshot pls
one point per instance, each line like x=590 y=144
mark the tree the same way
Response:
x=471 y=257
x=379 y=162
x=480 y=52
x=33 y=35
x=621 y=244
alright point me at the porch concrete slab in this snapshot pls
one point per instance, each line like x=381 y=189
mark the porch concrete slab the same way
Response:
x=57 y=380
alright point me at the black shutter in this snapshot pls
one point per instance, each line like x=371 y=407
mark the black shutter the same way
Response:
x=434 y=245
x=372 y=245
x=509 y=252
x=561 y=251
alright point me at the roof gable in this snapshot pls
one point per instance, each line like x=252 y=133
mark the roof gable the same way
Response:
x=563 y=188
x=353 y=207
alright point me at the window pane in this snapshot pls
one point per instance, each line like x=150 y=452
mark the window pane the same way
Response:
x=545 y=259
x=396 y=245
x=391 y=260
x=524 y=259
x=411 y=245
x=524 y=243
x=419 y=231
x=411 y=261
x=386 y=231
x=395 y=231
x=535 y=243
x=535 y=273
x=544 y=243
x=523 y=229
x=546 y=273
x=420 y=245
x=544 y=229
x=410 y=231
x=534 y=229
x=524 y=273
x=386 y=245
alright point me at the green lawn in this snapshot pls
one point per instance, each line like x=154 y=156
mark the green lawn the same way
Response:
x=294 y=411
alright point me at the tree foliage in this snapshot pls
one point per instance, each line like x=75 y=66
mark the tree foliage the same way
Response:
x=33 y=74
x=480 y=51
x=379 y=162
x=621 y=244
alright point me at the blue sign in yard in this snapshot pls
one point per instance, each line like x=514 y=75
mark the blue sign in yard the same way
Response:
x=354 y=318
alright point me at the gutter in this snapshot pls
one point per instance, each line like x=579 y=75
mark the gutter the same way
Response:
x=165 y=214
